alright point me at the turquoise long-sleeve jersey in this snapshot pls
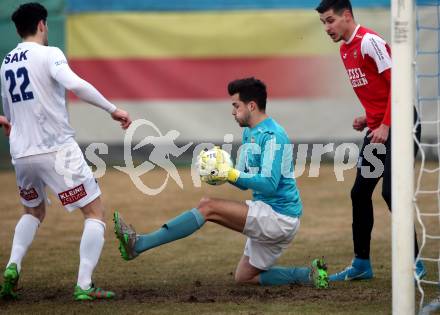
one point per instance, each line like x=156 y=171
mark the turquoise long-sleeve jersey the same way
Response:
x=266 y=167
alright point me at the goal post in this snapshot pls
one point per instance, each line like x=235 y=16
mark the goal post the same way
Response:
x=402 y=158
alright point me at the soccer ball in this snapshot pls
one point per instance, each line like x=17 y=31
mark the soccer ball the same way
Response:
x=207 y=162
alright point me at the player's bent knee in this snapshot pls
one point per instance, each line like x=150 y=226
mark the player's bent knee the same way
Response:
x=206 y=212
x=204 y=205
x=207 y=208
x=204 y=202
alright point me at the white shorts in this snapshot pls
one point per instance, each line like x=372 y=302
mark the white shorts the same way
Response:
x=269 y=234
x=65 y=172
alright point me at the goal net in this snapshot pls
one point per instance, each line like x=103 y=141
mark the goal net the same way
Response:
x=427 y=188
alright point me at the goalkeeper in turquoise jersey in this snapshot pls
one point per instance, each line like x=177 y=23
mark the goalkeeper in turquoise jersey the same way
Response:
x=270 y=220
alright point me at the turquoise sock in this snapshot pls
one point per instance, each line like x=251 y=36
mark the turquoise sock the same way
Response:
x=285 y=275
x=181 y=226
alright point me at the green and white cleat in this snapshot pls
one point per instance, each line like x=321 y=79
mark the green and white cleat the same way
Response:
x=127 y=236
x=9 y=287
x=92 y=294
x=318 y=273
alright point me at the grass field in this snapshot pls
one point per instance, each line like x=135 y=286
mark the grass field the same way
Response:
x=195 y=275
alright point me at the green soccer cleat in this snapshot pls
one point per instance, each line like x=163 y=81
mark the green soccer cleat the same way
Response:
x=127 y=236
x=92 y=294
x=318 y=273
x=9 y=288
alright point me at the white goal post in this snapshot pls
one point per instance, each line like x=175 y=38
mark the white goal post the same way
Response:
x=402 y=169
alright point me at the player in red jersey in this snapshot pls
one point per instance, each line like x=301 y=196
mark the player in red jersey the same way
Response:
x=367 y=59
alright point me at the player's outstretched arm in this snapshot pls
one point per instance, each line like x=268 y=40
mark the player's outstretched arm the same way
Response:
x=88 y=93
x=83 y=89
x=61 y=72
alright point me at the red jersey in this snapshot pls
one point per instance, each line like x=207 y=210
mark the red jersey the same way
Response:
x=367 y=58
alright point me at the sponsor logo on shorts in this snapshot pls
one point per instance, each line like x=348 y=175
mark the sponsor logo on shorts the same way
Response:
x=72 y=195
x=28 y=194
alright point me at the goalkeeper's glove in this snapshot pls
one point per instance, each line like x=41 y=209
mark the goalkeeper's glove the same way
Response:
x=226 y=172
x=220 y=170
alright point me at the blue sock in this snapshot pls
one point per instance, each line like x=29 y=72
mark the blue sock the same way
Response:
x=181 y=226
x=285 y=275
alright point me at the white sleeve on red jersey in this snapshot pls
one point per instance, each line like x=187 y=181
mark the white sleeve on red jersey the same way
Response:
x=375 y=47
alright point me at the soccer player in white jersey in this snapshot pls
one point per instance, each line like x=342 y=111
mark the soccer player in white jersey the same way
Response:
x=34 y=77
